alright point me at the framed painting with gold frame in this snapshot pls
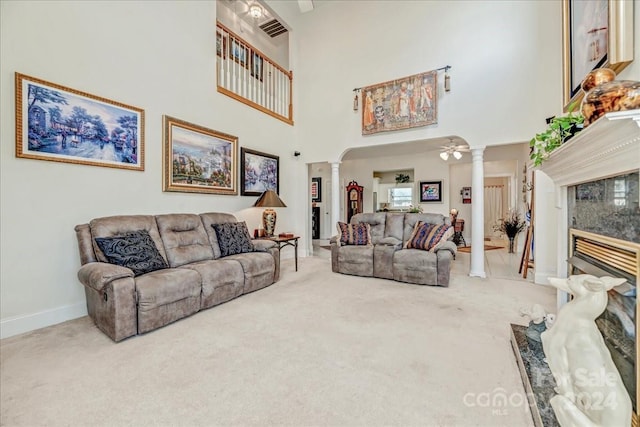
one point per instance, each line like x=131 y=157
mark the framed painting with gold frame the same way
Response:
x=199 y=160
x=595 y=34
x=60 y=124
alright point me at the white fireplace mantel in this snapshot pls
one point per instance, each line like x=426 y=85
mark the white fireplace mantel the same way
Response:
x=609 y=147
x=606 y=148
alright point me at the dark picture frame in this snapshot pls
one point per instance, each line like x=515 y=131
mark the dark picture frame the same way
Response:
x=198 y=160
x=260 y=172
x=430 y=191
x=466 y=195
x=60 y=124
x=239 y=52
x=257 y=65
x=316 y=189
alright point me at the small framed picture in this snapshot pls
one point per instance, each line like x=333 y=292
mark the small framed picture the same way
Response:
x=316 y=189
x=430 y=191
x=466 y=195
x=259 y=172
x=239 y=53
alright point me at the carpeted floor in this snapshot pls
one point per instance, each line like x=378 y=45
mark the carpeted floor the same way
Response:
x=314 y=349
x=467 y=249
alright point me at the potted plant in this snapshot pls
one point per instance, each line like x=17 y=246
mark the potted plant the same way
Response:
x=559 y=131
x=511 y=225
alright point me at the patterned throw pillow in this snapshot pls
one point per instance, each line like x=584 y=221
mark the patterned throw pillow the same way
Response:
x=427 y=236
x=134 y=250
x=233 y=238
x=355 y=234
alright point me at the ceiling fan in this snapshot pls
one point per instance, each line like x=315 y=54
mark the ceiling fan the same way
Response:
x=454 y=150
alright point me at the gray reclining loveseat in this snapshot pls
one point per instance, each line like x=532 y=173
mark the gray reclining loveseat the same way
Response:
x=386 y=257
x=189 y=271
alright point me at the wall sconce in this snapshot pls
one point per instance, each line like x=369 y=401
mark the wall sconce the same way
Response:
x=447 y=77
x=356 y=91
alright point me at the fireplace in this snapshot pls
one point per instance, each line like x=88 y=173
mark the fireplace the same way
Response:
x=597 y=231
x=605 y=256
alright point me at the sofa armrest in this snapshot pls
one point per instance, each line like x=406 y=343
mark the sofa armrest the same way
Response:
x=262 y=245
x=335 y=240
x=448 y=246
x=445 y=256
x=97 y=275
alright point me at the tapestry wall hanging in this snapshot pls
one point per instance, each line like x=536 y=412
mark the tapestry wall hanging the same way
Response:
x=400 y=104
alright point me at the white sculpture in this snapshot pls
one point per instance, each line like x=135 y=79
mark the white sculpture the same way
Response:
x=590 y=390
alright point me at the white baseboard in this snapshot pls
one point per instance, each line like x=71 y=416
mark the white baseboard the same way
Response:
x=542 y=278
x=21 y=324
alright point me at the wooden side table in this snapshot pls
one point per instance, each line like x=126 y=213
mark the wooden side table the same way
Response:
x=286 y=241
x=458 y=228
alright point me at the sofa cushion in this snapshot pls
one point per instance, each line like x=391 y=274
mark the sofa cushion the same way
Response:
x=134 y=250
x=184 y=239
x=167 y=286
x=427 y=236
x=376 y=223
x=355 y=234
x=210 y=218
x=233 y=238
x=119 y=225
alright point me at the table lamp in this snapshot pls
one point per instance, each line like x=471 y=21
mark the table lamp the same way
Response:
x=269 y=199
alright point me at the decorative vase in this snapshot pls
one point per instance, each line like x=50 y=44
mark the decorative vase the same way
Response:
x=512 y=240
x=604 y=94
x=269 y=222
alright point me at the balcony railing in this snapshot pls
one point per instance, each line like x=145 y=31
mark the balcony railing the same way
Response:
x=249 y=76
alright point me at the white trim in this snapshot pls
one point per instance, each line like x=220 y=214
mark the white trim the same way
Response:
x=542 y=277
x=30 y=322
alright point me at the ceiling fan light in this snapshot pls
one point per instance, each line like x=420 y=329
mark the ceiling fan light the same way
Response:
x=255 y=11
x=457 y=155
x=444 y=155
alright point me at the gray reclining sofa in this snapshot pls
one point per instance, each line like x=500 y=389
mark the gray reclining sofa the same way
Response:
x=387 y=256
x=196 y=276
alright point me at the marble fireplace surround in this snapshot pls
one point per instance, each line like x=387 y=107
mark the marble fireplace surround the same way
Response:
x=608 y=148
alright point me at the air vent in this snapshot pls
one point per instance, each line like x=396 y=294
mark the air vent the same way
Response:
x=273 y=28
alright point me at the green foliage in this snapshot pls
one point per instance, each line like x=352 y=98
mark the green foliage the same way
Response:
x=402 y=178
x=557 y=132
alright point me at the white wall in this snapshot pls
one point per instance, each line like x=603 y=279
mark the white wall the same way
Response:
x=159 y=56
x=506 y=68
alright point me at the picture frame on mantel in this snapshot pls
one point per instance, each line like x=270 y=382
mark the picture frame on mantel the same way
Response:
x=596 y=34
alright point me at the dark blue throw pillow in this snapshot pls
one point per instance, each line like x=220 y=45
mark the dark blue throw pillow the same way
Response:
x=233 y=238
x=134 y=250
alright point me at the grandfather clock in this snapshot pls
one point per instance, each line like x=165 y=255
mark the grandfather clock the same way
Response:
x=354 y=199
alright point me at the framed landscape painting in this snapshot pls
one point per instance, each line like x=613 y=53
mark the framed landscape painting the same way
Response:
x=199 y=160
x=260 y=172
x=430 y=191
x=61 y=124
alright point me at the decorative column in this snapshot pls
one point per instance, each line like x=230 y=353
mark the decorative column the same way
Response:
x=335 y=193
x=477 y=214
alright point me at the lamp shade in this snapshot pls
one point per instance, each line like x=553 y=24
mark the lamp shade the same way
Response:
x=269 y=199
x=444 y=155
x=457 y=155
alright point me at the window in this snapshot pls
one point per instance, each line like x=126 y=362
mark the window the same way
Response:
x=400 y=198
x=620 y=192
